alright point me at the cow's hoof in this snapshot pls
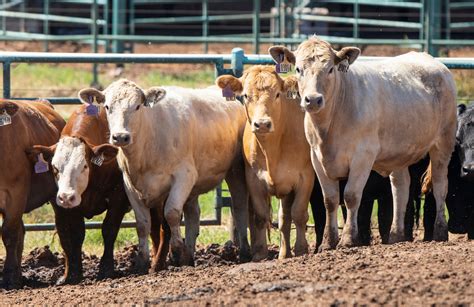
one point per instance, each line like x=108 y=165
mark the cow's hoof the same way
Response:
x=12 y=281
x=284 y=255
x=68 y=280
x=301 y=250
x=348 y=241
x=157 y=266
x=245 y=256
x=257 y=257
x=395 y=237
x=440 y=232
x=106 y=270
x=182 y=257
x=141 y=265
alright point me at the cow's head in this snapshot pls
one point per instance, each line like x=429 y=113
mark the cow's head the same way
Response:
x=70 y=161
x=465 y=141
x=317 y=66
x=123 y=101
x=263 y=92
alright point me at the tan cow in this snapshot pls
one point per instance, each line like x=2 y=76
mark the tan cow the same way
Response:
x=21 y=189
x=276 y=153
x=382 y=115
x=175 y=144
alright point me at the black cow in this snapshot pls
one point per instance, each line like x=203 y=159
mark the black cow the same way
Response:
x=460 y=197
x=377 y=188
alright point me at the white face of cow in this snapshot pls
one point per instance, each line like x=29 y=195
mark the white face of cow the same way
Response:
x=71 y=171
x=316 y=67
x=123 y=101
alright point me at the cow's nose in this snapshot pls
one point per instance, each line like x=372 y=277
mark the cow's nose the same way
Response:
x=66 y=198
x=121 y=139
x=314 y=100
x=263 y=125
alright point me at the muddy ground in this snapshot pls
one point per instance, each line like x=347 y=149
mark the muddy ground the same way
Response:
x=412 y=273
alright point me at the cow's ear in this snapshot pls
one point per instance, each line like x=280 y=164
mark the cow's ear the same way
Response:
x=290 y=87
x=228 y=81
x=106 y=151
x=9 y=107
x=89 y=95
x=461 y=108
x=282 y=54
x=347 y=53
x=153 y=95
x=36 y=150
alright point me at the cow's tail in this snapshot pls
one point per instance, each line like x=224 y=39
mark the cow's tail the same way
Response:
x=427 y=183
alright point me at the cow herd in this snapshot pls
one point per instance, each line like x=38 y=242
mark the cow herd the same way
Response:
x=339 y=131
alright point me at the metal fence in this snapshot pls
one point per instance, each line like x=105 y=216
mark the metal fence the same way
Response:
x=224 y=64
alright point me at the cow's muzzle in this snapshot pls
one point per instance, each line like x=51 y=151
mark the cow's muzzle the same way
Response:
x=467 y=171
x=263 y=125
x=312 y=102
x=121 y=139
x=68 y=200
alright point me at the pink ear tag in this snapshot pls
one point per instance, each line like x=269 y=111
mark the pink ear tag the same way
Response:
x=41 y=166
x=5 y=119
x=228 y=93
x=98 y=160
x=92 y=108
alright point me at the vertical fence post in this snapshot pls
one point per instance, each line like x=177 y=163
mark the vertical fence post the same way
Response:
x=94 y=15
x=4 y=20
x=256 y=26
x=205 y=24
x=118 y=23
x=6 y=80
x=433 y=25
x=236 y=62
x=46 y=23
x=355 y=29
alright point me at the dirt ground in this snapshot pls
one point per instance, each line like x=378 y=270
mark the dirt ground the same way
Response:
x=412 y=273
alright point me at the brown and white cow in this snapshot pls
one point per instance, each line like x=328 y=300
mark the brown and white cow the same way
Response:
x=175 y=144
x=89 y=183
x=276 y=153
x=21 y=189
x=382 y=115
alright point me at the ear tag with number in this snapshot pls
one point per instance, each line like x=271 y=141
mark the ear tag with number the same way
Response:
x=343 y=66
x=98 y=160
x=92 y=108
x=41 y=166
x=291 y=94
x=283 y=66
x=5 y=119
x=228 y=93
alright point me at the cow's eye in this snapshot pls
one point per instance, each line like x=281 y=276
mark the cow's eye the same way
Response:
x=85 y=166
x=298 y=70
x=107 y=107
x=278 y=95
x=245 y=96
x=138 y=107
x=330 y=71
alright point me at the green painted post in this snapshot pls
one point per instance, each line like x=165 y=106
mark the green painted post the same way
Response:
x=256 y=26
x=4 y=20
x=205 y=24
x=46 y=23
x=6 y=79
x=447 y=7
x=118 y=23
x=355 y=29
x=434 y=25
x=94 y=30
x=237 y=62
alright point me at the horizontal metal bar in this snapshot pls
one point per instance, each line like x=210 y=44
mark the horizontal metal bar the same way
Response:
x=360 y=21
x=461 y=25
x=453 y=42
x=377 y=3
x=98 y=225
x=199 y=18
x=10 y=4
x=50 y=17
x=99 y=2
x=461 y=5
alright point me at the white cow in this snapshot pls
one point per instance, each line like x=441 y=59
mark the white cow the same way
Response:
x=175 y=144
x=382 y=115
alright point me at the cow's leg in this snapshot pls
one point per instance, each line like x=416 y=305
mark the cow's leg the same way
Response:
x=364 y=221
x=385 y=216
x=400 y=181
x=160 y=235
x=284 y=225
x=235 y=179
x=439 y=177
x=260 y=201
x=71 y=230
x=319 y=213
x=179 y=193
x=191 y=219
x=110 y=229
x=330 y=190
x=299 y=215
x=359 y=173
x=12 y=234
